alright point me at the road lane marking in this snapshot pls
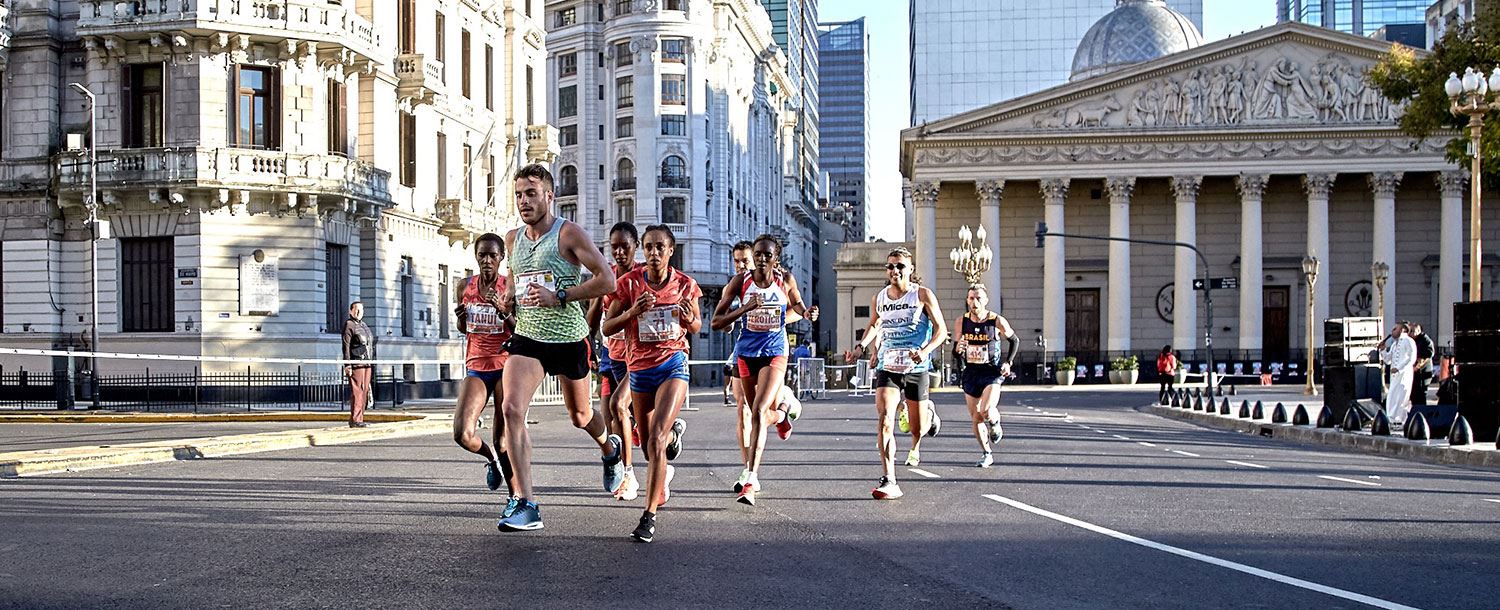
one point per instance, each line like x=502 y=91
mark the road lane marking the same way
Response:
x=1246 y=464
x=1184 y=453
x=1490 y=500
x=1211 y=560
x=1102 y=431
x=924 y=473
x=1145 y=444
x=1354 y=481
x=1123 y=438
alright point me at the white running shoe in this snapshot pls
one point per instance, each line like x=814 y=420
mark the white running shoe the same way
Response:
x=740 y=482
x=630 y=489
x=886 y=489
x=913 y=457
x=986 y=461
x=996 y=432
x=666 y=486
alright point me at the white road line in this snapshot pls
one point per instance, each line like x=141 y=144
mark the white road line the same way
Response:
x=924 y=473
x=1184 y=453
x=1492 y=500
x=1102 y=431
x=1123 y=438
x=1145 y=444
x=1354 y=481
x=1223 y=563
x=1246 y=464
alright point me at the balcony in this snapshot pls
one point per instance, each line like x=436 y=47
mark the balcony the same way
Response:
x=674 y=182
x=4 y=34
x=419 y=79
x=567 y=190
x=623 y=184
x=465 y=220
x=227 y=170
x=541 y=144
x=330 y=24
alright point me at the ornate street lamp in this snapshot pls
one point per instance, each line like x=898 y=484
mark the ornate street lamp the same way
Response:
x=1472 y=96
x=93 y=209
x=1310 y=266
x=1380 y=272
x=971 y=259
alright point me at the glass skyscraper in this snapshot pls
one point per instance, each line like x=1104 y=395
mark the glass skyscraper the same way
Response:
x=844 y=118
x=794 y=25
x=1358 y=17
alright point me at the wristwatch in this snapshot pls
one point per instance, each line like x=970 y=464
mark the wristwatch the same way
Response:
x=562 y=296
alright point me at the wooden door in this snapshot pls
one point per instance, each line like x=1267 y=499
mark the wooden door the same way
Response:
x=1083 y=323
x=1276 y=318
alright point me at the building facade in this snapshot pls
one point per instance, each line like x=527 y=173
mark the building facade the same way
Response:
x=1444 y=14
x=966 y=54
x=1358 y=17
x=794 y=25
x=261 y=165
x=844 y=120
x=679 y=113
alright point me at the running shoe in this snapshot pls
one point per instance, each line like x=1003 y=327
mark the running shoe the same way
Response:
x=784 y=427
x=937 y=423
x=635 y=435
x=614 y=468
x=986 y=461
x=493 y=478
x=674 y=448
x=996 y=432
x=666 y=486
x=630 y=489
x=647 y=528
x=913 y=457
x=886 y=490
x=740 y=482
x=901 y=421
x=511 y=505
x=794 y=410
x=526 y=518
x=747 y=493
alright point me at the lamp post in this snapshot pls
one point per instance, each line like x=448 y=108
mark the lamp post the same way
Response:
x=1310 y=266
x=1380 y=272
x=970 y=259
x=1471 y=95
x=93 y=209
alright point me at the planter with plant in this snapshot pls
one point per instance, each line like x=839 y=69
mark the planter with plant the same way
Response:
x=1067 y=370
x=1125 y=369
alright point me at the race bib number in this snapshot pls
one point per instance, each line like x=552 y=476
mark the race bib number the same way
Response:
x=764 y=319
x=977 y=354
x=897 y=361
x=658 y=324
x=483 y=319
x=545 y=279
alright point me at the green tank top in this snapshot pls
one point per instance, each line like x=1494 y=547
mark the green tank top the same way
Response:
x=539 y=262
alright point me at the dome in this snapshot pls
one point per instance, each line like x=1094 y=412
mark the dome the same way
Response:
x=1136 y=31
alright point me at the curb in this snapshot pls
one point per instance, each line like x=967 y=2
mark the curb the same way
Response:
x=72 y=459
x=166 y=418
x=1434 y=452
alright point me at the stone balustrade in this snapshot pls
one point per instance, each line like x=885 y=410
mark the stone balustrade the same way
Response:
x=228 y=168
x=315 y=20
x=419 y=78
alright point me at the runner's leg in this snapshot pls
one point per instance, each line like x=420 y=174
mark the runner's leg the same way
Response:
x=887 y=400
x=472 y=397
x=656 y=413
x=575 y=394
x=523 y=375
x=977 y=415
x=768 y=387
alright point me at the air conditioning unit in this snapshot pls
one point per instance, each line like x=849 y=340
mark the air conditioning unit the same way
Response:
x=76 y=142
x=404 y=270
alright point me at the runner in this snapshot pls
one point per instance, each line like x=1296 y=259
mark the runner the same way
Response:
x=623 y=241
x=479 y=319
x=546 y=254
x=742 y=258
x=906 y=314
x=766 y=295
x=985 y=367
x=656 y=307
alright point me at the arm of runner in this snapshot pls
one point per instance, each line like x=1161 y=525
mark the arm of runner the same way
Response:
x=1013 y=343
x=939 y=325
x=621 y=311
x=577 y=248
x=459 y=311
x=509 y=299
x=691 y=321
x=595 y=315
x=723 y=315
x=960 y=344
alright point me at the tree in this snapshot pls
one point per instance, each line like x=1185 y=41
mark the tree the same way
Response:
x=1404 y=77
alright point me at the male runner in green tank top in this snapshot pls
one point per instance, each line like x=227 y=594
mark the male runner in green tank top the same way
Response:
x=550 y=338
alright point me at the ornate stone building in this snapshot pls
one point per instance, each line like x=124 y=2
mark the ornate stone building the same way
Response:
x=1259 y=149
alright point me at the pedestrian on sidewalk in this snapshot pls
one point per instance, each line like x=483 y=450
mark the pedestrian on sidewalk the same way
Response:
x=1423 y=375
x=1399 y=353
x=359 y=344
x=1166 y=371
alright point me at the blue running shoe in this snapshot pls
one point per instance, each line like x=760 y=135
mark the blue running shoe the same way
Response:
x=493 y=478
x=510 y=507
x=614 y=468
x=528 y=517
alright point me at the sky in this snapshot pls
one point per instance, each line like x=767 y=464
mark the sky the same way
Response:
x=889 y=113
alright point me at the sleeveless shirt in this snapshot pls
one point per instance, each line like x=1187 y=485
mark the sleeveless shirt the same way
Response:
x=539 y=262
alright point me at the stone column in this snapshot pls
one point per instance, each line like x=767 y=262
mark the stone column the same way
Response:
x=1252 y=188
x=1383 y=237
x=1119 y=189
x=924 y=198
x=1450 y=252
x=990 y=192
x=1054 y=267
x=1318 y=186
x=1184 y=298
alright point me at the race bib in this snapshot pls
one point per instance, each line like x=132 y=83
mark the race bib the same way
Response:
x=658 y=324
x=545 y=279
x=764 y=319
x=977 y=354
x=897 y=361
x=483 y=319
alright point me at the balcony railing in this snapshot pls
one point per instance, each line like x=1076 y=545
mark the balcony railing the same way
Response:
x=228 y=168
x=623 y=184
x=541 y=144
x=418 y=78
x=567 y=190
x=4 y=33
x=674 y=182
x=464 y=220
x=316 y=20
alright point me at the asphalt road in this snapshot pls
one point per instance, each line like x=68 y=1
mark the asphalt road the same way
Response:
x=32 y=437
x=1109 y=507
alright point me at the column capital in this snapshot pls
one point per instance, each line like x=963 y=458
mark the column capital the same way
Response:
x=1120 y=188
x=1384 y=183
x=1452 y=183
x=1252 y=186
x=990 y=191
x=925 y=194
x=1054 y=190
x=1318 y=185
x=1186 y=187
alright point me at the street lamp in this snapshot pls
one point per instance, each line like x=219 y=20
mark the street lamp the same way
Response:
x=93 y=209
x=969 y=259
x=1470 y=96
x=1310 y=266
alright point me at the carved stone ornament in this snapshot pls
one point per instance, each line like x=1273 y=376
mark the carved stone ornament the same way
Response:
x=1453 y=183
x=1054 y=190
x=1150 y=151
x=1384 y=184
x=1119 y=188
x=989 y=191
x=1318 y=186
x=925 y=194
x=1185 y=188
x=1252 y=186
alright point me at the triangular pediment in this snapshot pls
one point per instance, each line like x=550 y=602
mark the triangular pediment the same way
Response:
x=1287 y=76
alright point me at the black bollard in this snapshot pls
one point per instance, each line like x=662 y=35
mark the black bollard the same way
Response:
x=1176 y=402
x=1234 y=390
x=1278 y=416
x=1198 y=403
x=1461 y=434
x=1219 y=391
x=1352 y=421
x=1224 y=407
x=1325 y=417
x=1417 y=428
x=1381 y=425
x=1259 y=412
x=1299 y=416
x=1244 y=409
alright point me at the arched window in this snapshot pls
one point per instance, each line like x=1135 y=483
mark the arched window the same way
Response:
x=673 y=210
x=674 y=173
x=624 y=174
x=567 y=181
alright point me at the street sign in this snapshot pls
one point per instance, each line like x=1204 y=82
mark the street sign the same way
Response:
x=1219 y=283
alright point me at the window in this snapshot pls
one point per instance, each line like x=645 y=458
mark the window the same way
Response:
x=408 y=126
x=624 y=92
x=568 y=211
x=407 y=14
x=622 y=7
x=673 y=125
x=673 y=210
x=568 y=135
x=625 y=210
x=567 y=17
x=674 y=50
x=338 y=119
x=674 y=5
x=468 y=189
x=861 y=311
x=336 y=287
x=673 y=89
x=673 y=173
x=442 y=165
x=567 y=101
x=443 y=315
x=623 y=55
x=601 y=133
x=567 y=181
x=567 y=64
x=625 y=127
x=407 y=298
x=676 y=260
x=624 y=174
x=257 y=108
x=489 y=180
x=530 y=96
x=145 y=106
x=489 y=78
x=466 y=76
x=146 y=285
x=440 y=37
x=599 y=12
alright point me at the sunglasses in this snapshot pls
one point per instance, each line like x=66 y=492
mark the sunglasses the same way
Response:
x=895 y=266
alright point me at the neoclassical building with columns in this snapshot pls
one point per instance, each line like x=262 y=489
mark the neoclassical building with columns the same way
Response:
x=1259 y=149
